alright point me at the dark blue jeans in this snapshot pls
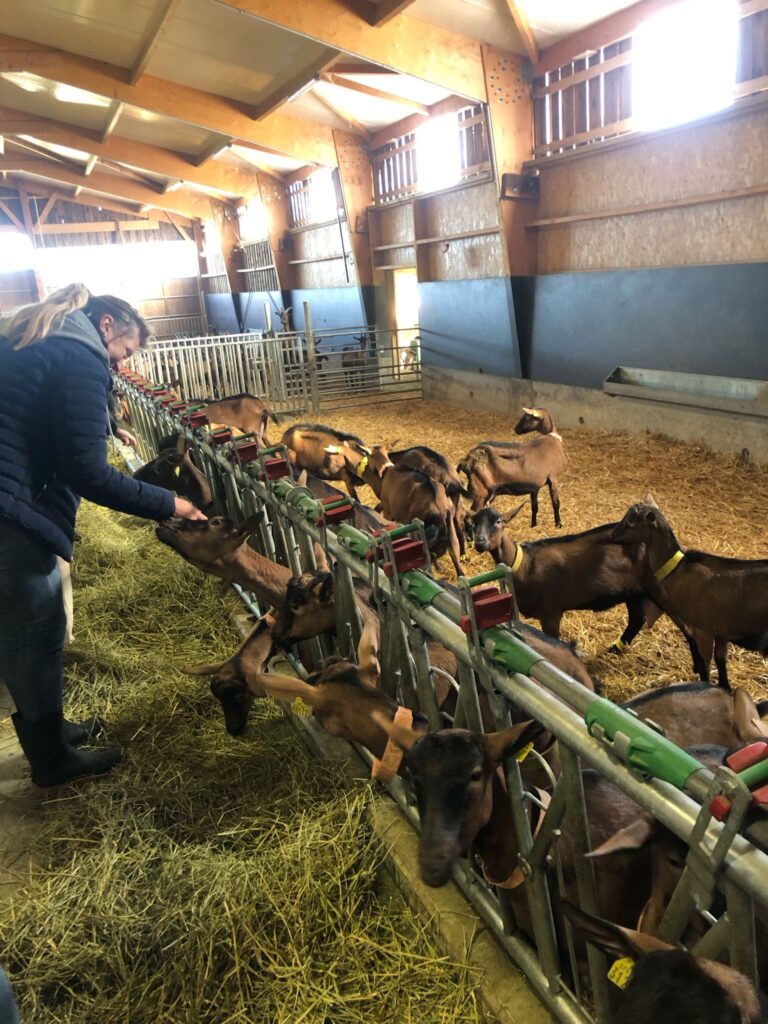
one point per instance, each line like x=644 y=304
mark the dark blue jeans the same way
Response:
x=32 y=622
x=8 y=1011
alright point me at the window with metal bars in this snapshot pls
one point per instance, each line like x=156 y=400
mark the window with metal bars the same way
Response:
x=299 y=201
x=589 y=100
x=259 y=271
x=395 y=165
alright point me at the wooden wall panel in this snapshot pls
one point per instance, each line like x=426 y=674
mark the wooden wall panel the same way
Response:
x=705 y=159
x=315 y=245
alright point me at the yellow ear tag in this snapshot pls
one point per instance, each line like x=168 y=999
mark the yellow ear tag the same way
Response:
x=522 y=754
x=362 y=465
x=177 y=470
x=621 y=971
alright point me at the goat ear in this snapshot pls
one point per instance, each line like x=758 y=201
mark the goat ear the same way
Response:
x=749 y=725
x=301 y=479
x=247 y=527
x=204 y=670
x=507 y=517
x=181 y=443
x=401 y=735
x=633 y=837
x=287 y=688
x=499 y=745
x=650 y=500
x=367 y=654
x=650 y=516
x=609 y=937
x=321 y=560
x=529 y=412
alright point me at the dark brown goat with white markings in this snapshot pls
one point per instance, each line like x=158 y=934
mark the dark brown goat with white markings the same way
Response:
x=714 y=600
x=581 y=571
x=511 y=467
x=173 y=469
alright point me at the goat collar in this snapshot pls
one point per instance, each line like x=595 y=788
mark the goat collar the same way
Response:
x=516 y=879
x=388 y=765
x=517 y=561
x=669 y=566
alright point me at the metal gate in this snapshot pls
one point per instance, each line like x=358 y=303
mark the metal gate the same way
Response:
x=297 y=372
x=726 y=875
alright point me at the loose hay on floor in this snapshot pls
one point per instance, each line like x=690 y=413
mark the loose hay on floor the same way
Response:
x=714 y=501
x=208 y=879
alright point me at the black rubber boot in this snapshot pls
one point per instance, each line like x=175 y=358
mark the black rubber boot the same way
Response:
x=77 y=733
x=53 y=760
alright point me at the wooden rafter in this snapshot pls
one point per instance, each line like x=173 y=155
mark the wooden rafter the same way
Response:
x=380 y=94
x=189 y=204
x=386 y=10
x=115 y=110
x=226 y=178
x=44 y=214
x=157 y=23
x=32 y=147
x=12 y=216
x=90 y=164
x=296 y=83
x=337 y=109
x=39 y=190
x=282 y=133
x=213 y=149
x=433 y=53
x=524 y=28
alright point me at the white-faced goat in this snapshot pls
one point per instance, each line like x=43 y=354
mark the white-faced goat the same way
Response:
x=512 y=467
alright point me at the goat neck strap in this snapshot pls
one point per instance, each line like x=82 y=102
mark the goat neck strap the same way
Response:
x=516 y=879
x=362 y=465
x=517 y=561
x=388 y=765
x=669 y=566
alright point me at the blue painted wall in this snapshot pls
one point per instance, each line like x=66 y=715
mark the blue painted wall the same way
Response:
x=711 y=320
x=220 y=310
x=250 y=309
x=469 y=325
x=331 y=309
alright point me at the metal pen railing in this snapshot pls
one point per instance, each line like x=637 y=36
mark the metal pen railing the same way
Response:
x=496 y=663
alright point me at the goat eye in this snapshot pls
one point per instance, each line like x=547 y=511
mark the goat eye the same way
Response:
x=476 y=775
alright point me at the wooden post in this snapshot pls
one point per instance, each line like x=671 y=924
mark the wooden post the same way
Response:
x=510 y=108
x=354 y=163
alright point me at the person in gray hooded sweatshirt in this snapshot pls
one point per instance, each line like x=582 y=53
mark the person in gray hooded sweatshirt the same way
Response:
x=55 y=359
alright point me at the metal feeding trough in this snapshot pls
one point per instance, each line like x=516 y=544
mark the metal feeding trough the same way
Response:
x=724 y=394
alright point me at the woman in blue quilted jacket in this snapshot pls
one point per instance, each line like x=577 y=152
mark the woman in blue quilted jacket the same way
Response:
x=55 y=359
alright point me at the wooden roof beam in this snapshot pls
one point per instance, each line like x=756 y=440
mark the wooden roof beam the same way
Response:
x=379 y=94
x=52 y=194
x=218 y=147
x=523 y=26
x=426 y=51
x=339 y=111
x=225 y=178
x=115 y=110
x=188 y=204
x=386 y=10
x=296 y=83
x=157 y=23
x=282 y=133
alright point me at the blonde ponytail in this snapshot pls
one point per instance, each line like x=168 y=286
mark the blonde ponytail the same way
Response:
x=34 y=323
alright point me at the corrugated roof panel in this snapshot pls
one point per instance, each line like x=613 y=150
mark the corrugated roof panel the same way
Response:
x=219 y=50
x=108 y=30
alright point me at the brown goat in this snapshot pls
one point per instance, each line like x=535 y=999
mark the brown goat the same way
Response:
x=246 y=412
x=174 y=470
x=233 y=679
x=511 y=467
x=219 y=547
x=324 y=452
x=581 y=571
x=669 y=985
x=408 y=494
x=713 y=599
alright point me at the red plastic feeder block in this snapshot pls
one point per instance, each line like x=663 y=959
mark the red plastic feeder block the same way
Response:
x=747 y=756
x=247 y=452
x=492 y=607
x=221 y=436
x=276 y=468
x=197 y=419
x=341 y=510
x=408 y=554
x=178 y=408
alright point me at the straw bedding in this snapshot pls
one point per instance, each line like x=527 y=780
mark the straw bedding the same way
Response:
x=208 y=879
x=714 y=502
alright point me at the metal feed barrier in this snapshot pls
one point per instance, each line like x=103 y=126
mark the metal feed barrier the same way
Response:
x=726 y=875
x=296 y=372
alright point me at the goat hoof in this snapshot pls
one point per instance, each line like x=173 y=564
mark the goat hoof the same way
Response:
x=613 y=649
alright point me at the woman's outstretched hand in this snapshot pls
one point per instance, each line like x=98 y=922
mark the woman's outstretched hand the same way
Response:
x=186 y=510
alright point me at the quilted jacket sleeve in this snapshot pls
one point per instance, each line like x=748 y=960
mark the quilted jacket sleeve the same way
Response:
x=78 y=412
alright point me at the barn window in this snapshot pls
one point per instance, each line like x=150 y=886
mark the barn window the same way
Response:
x=684 y=63
x=314 y=200
x=438 y=155
x=16 y=252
